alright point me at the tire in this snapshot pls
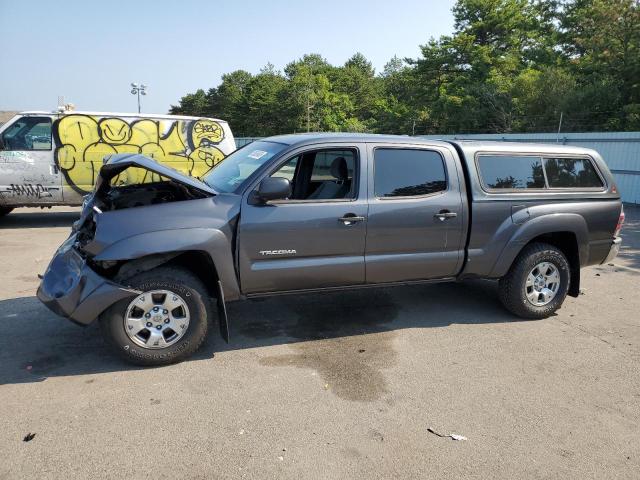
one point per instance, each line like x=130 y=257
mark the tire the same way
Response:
x=194 y=305
x=5 y=211
x=523 y=299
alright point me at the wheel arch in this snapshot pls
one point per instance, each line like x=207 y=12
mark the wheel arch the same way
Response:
x=567 y=232
x=197 y=248
x=208 y=253
x=197 y=262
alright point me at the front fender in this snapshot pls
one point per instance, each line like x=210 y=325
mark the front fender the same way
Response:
x=212 y=241
x=543 y=224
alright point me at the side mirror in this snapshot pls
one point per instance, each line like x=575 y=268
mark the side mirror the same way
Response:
x=273 y=188
x=1 y=143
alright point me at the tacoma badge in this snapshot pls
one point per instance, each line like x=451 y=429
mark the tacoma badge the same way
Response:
x=277 y=252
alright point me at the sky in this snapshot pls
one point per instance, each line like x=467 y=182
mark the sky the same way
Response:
x=91 y=51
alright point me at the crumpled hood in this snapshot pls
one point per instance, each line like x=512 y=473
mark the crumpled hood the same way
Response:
x=116 y=164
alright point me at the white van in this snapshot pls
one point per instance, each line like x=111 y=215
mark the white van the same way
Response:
x=53 y=158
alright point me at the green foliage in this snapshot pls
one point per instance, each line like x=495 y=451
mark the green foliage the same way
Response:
x=508 y=66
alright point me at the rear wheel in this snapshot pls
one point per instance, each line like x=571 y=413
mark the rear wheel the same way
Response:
x=5 y=211
x=165 y=324
x=537 y=283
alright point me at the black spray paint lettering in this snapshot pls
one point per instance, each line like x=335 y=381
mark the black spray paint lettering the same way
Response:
x=30 y=190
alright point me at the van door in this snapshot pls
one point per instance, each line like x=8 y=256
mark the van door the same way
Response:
x=416 y=216
x=28 y=174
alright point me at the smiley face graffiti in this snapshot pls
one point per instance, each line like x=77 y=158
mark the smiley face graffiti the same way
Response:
x=83 y=142
x=114 y=131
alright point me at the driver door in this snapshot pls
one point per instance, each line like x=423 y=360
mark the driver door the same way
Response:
x=28 y=174
x=308 y=241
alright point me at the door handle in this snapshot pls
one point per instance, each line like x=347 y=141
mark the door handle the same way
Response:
x=443 y=215
x=351 y=219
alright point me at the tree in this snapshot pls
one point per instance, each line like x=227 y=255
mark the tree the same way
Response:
x=508 y=66
x=228 y=101
x=601 y=41
x=191 y=104
x=263 y=102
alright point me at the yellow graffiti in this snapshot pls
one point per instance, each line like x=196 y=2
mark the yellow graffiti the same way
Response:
x=84 y=141
x=204 y=158
x=206 y=131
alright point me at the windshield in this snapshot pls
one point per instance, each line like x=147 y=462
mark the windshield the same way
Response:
x=229 y=174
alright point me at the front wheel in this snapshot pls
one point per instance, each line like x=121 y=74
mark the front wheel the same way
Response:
x=165 y=324
x=537 y=283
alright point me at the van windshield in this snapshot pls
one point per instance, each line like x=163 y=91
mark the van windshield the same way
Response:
x=231 y=172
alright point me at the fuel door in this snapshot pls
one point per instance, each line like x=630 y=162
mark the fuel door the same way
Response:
x=519 y=214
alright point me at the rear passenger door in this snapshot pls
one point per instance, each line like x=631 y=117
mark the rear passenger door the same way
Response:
x=416 y=215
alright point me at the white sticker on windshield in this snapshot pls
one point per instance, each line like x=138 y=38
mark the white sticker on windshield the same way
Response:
x=257 y=154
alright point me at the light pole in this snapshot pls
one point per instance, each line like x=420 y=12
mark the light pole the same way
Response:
x=138 y=90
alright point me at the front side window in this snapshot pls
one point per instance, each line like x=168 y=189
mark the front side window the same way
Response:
x=288 y=170
x=28 y=134
x=511 y=172
x=571 y=173
x=324 y=160
x=408 y=172
x=319 y=175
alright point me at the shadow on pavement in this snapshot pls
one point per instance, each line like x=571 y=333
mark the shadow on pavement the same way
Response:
x=40 y=345
x=36 y=218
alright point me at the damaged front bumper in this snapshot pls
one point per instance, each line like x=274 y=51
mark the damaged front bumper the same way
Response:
x=72 y=289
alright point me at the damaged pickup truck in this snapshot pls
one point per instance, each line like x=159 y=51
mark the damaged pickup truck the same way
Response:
x=156 y=262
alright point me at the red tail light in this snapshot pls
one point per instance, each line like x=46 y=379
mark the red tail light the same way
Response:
x=620 y=222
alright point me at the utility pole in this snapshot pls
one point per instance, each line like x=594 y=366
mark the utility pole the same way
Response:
x=559 y=127
x=138 y=90
x=309 y=104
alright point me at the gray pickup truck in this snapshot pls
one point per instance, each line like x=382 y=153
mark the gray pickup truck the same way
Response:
x=299 y=213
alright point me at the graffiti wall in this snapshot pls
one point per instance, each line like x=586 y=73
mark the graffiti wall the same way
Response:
x=190 y=146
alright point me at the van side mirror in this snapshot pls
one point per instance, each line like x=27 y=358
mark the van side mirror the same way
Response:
x=273 y=188
x=1 y=143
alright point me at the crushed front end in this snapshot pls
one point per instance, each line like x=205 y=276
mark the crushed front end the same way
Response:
x=72 y=289
x=76 y=285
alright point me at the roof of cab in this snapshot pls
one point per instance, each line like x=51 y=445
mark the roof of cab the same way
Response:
x=469 y=147
x=317 y=137
x=118 y=114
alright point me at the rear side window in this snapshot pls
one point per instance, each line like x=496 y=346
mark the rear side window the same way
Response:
x=571 y=173
x=511 y=172
x=405 y=173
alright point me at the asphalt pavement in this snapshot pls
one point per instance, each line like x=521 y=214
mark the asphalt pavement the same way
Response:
x=339 y=385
